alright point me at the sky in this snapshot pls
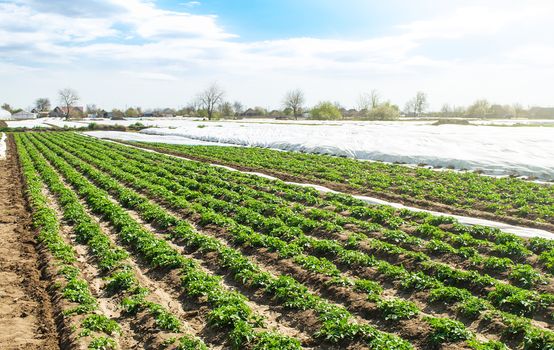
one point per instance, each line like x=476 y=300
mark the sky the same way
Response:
x=122 y=53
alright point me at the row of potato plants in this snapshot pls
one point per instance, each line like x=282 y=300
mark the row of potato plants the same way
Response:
x=509 y=298
x=336 y=324
x=82 y=308
x=499 y=243
x=485 y=281
x=516 y=254
x=523 y=274
x=389 y=309
x=229 y=309
x=505 y=254
x=504 y=196
x=520 y=298
x=110 y=259
x=506 y=246
x=537 y=245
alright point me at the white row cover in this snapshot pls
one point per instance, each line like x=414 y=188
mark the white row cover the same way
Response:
x=525 y=151
x=3 y=145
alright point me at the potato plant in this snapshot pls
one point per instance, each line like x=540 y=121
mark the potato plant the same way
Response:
x=331 y=243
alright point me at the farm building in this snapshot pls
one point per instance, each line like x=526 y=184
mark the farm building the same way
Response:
x=60 y=112
x=24 y=115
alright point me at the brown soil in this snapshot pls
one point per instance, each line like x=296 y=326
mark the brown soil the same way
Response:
x=26 y=316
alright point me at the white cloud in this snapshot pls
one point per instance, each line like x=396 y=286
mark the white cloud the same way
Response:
x=136 y=38
x=475 y=20
x=191 y=3
x=152 y=22
x=149 y=75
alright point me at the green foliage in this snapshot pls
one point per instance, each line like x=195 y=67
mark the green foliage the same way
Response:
x=537 y=339
x=447 y=331
x=325 y=111
x=397 y=309
x=461 y=190
x=497 y=264
x=256 y=213
x=99 y=323
x=384 y=111
x=102 y=343
x=188 y=342
x=449 y=294
x=472 y=307
x=274 y=341
x=524 y=276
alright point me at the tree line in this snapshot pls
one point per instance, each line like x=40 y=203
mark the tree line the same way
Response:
x=211 y=104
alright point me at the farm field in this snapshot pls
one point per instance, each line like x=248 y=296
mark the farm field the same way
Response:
x=526 y=151
x=495 y=150
x=508 y=199
x=148 y=250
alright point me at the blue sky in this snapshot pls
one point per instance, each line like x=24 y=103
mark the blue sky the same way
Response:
x=118 y=53
x=266 y=19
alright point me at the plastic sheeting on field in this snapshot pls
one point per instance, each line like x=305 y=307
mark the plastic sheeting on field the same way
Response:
x=3 y=145
x=133 y=136
x=526 y=151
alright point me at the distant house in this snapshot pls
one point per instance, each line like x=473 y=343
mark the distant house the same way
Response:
x=39 y=113
x=61 y=112
x=98 y=114
x=167 y=113
x=277 y=114
x=56 y=113
x=24 y=115
x=250 y=112
x=351 y=113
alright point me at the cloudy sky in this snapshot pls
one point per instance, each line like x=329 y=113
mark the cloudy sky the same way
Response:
x=119 y=53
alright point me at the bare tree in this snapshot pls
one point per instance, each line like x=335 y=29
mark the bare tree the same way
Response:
x=417 y=105
x=518 y=110
x=238 y=108
x=421 y=103
x=446 y=110
x=92 y=108
x=368 y=101
x=42 y=104
x=210 y=98
x=68 y=97
x=294 y=100
x=226 y=109
x=479 y=108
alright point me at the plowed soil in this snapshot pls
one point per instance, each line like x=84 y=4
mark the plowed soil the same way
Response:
x=26 y=318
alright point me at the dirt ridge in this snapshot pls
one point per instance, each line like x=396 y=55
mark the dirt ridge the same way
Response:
x=26 y=314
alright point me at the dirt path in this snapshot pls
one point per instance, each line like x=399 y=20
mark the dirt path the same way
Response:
x=26 y=320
